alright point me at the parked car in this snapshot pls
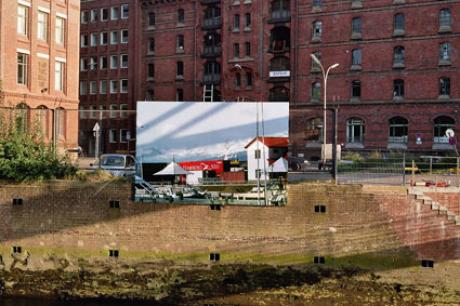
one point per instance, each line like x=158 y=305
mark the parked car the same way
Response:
x=117 y=164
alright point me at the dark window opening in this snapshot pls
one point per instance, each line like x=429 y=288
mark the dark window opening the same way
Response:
x=426 y=263
x=17 y=201
x=17 y=249
x=114 y=253
x=114 y=204
x=319 y=260
x=215 y=207
x=214 y=257
x=320 y=209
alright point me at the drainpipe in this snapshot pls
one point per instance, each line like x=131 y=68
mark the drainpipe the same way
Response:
x=195 y=52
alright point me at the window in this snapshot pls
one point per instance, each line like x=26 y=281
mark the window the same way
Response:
x=42 y=26
x=104 y=14
x=151 y=46
x=114 y=13
x=124 y=11
x=103 y=62
x=60 y=122
x=113 y=111
x=214 y=257
x=356 y=28
x=104 y=38
x=247 y=47
x=83 y=64
x=236 y=50
x=83 y=88
x=23 y=20
x=124 y=36
x=59 y=76
x=124 y=86
x=355 y=131
x=441 y=125
x=398 y=130
x=113 y=86
x=42 y=118
x=151 y=19
x=112 y=136
x=124 y=135
x=279 y=94
x=316 y=3
x=93 y=112
x=317 y=30
x=355 y=89
x=84 y=18
x=314 y=65
x=445 y=20
x=314 y=130
x=179 y=94
x=238 y=80
x=247 y=20
x=84 y=40
x=316 y=91
x=22 y=117
x=92 y=87
x=180 y=70
x=114 y=37
x=444 y=53
x=94 y=15
x=399 y=24
x=93 y=39
x=113 y=61
x=124 y=110
x=103 y=87
x=180 y=43
x=124 y=61
x=22 y=73
x=248 y=79
x=398 y=88
x=320 y=209
x=398 y=57
x=356 y=59
x=150 y=71
x=236 y=23
x=444 y=87
x=180 y=16
x=59 y=33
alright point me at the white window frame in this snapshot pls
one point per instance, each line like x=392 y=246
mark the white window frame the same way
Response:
x=59 y=30
x=113 y=61
x=122 y=15
x=22 y=23
x=42 y=25
x=102 y=87
x=113 y=86
x=59 y=75
x=122 y=56
x=126 y=87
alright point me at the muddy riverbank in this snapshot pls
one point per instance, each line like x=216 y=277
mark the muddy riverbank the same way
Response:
x=245 y=285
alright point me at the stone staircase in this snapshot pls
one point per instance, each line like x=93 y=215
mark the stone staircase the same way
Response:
x=420 y=196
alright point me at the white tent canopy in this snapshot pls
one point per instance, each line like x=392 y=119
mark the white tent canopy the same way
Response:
x=281 y=165
x=172 y=169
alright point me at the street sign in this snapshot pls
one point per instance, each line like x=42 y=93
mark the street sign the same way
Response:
x=96 y=127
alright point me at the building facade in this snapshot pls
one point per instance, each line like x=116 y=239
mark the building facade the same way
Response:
x=39 y=67
x=396 y=86
x=110 y=76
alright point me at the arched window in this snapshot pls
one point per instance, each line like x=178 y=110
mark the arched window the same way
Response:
x=445 y=20
x=355 y=131
x=315 y=91
x=356 y=26
x=180 y=70
x=211 y=72
x=398 y=56
x=314 y=130
x=238 y=80
x=441 y=124
x=42 y=120
x=444 y=87
x=180 y=44
x=60 y=122
x=280 y=40
x=21 y=117
x=279 y=94
x=398 y=130
x=399 y=24
x=314 y=65
x=280 y=10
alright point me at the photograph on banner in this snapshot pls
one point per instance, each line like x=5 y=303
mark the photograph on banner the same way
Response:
x=219 y=153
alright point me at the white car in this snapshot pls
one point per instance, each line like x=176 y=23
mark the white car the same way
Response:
x=118 y=164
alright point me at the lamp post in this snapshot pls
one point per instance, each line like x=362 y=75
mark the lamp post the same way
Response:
x=325 y=73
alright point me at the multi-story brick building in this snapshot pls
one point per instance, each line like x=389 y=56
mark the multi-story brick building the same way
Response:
x=39 y=66
x=396 y=86
x=110 y=76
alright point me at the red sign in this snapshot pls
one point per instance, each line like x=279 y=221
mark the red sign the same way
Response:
x=207 y=165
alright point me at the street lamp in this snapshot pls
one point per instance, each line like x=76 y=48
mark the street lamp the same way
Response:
x=325 y=74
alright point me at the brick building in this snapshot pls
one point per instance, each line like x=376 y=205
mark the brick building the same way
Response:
x=39 y=66
x=110 y=80
x=396 y=86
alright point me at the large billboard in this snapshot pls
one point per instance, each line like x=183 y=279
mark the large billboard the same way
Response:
x=212 y=153
x=194 y=131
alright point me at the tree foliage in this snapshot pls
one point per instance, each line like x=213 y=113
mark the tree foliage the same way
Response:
x=24 y=156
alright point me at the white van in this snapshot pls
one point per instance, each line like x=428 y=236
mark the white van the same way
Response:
x=118 y=164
